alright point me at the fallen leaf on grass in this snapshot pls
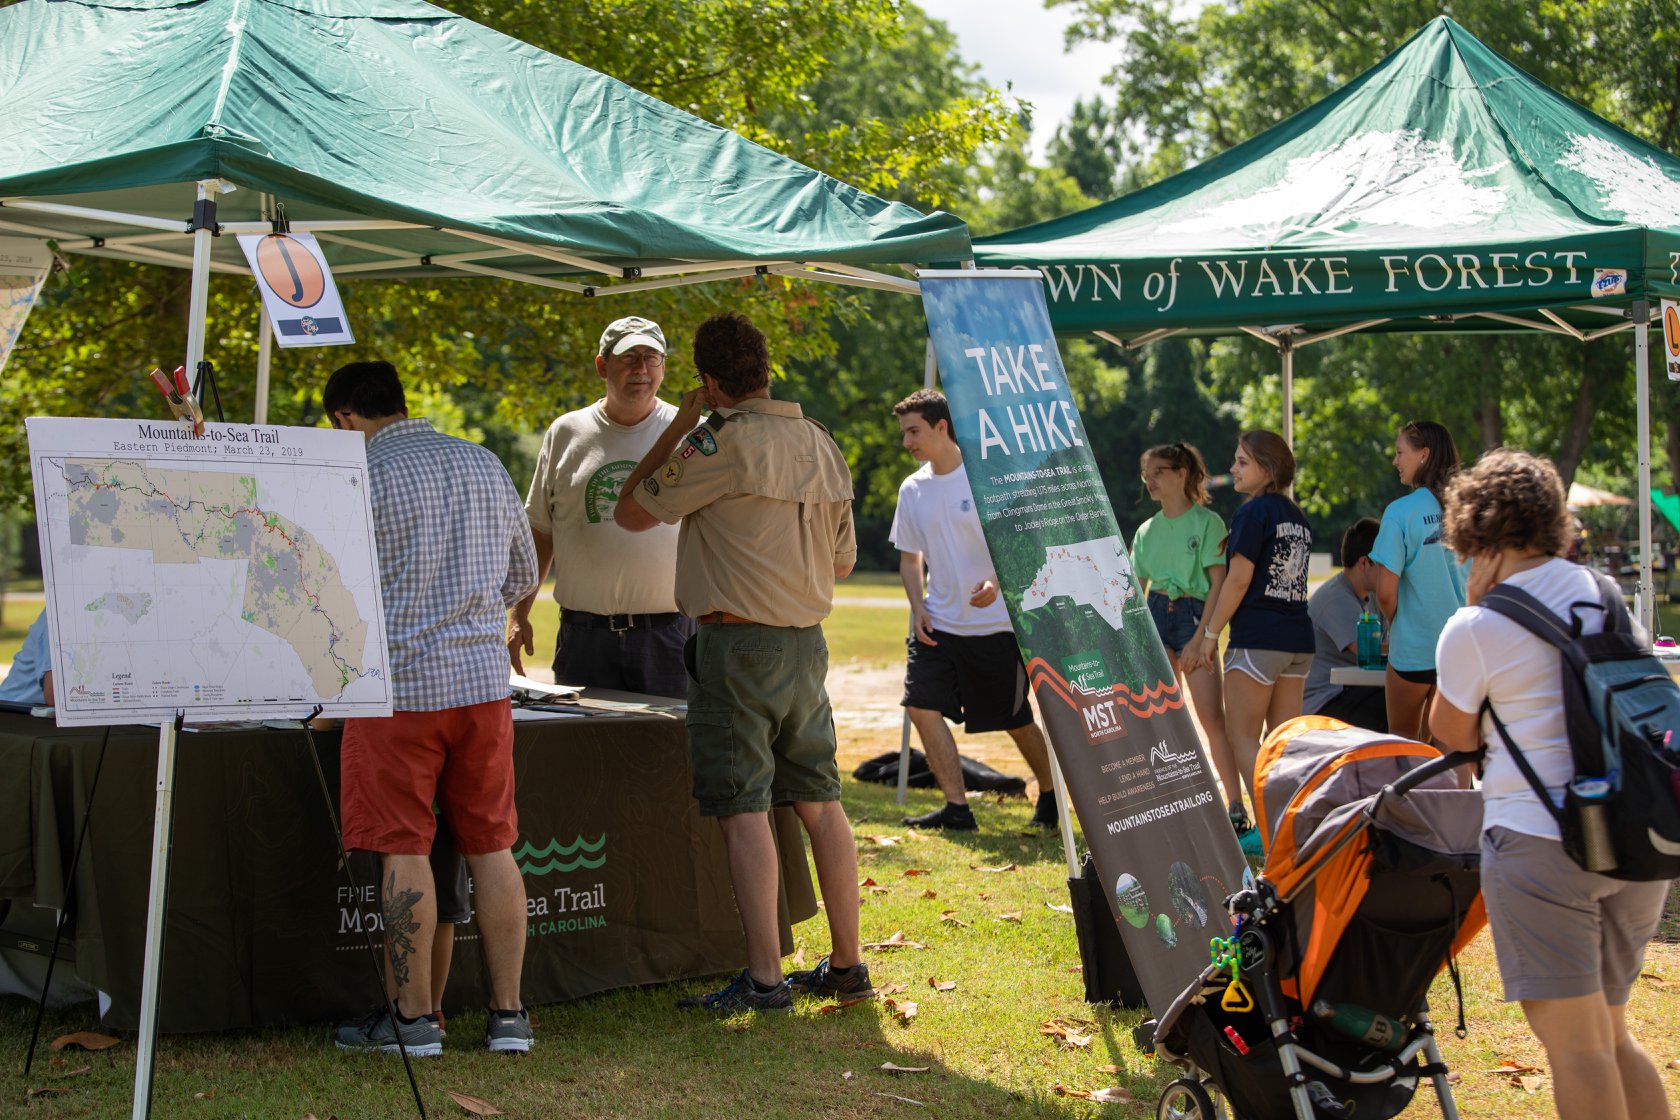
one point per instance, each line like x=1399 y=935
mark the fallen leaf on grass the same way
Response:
x=984 y=895
x=76 y=1072
x=1108 y=1069
x=886 y=841
x=831 y=1008
x=1509 y=1066
x=911 y=871
x=890 y=1068
x=1076 y=968
x=951 y=917
x=1059 y=908
x=904 y=1100
x=890 y=989
x=1453 y=1076
x=930 y=893
x=867 y=883
x=1675 y=1064
x=1659 y=981
x=880 y=890
x=946 y=986
x=1110 y=1095
x=207 y=1095
x=896 y=941
x=43 y=1091
x=903 y=1011
x=1011 y=916
x=799 y=958
x=476 y=1106
x=87 y=1040
x=991 y=870
x=847 y=1076
x=1069 y=1033
x=1530 y=1082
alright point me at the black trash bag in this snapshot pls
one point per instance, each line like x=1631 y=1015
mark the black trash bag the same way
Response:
x=977 y=776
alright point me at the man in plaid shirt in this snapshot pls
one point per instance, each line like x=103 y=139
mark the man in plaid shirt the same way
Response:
x=455 y=553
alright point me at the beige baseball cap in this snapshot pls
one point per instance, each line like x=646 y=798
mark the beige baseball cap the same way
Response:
x=632 y=330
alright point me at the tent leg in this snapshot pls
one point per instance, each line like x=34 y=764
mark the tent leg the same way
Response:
x=156 y=911
x=1064 y=819
x=265 y=355
x=1645 y=598
x=1286 y=354
x=199 y=297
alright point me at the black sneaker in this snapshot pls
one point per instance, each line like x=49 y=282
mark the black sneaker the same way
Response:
x=1045 y=815
x=741 y=994
x=826 y=980
x=958 y=818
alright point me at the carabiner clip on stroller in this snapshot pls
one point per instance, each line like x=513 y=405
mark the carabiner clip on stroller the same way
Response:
x=1317 y=1006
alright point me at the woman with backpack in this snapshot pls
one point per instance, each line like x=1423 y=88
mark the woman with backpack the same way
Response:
x=1569 y=942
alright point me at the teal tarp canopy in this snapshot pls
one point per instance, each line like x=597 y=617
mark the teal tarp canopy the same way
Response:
x=1441 y=189
x=397 y=112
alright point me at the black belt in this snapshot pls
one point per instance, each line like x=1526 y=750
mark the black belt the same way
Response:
x=619 y=622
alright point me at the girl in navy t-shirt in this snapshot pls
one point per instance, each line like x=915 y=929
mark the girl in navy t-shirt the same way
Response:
x=1264 y=600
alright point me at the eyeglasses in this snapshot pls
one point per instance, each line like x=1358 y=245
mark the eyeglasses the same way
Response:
x=1155 y=473
x=650 y=359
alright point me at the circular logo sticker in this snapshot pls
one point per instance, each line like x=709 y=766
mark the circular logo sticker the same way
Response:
x=600 y=493
x=290 y=271
x=671 y=473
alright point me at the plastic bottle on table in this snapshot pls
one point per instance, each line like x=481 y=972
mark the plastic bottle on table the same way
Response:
x=1368 y=641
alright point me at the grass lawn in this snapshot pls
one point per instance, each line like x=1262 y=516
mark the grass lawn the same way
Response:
x=1011 y=955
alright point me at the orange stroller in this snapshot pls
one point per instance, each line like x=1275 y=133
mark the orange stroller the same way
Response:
x=1316 y=1006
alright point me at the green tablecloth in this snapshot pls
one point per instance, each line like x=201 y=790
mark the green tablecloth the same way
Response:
x=628 y=885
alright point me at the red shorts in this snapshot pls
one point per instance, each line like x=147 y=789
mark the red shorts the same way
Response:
x=392 y=769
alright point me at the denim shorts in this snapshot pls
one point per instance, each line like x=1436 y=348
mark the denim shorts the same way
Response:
x=1176 y=620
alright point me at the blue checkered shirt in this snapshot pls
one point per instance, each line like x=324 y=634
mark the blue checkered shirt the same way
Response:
x=455 y=553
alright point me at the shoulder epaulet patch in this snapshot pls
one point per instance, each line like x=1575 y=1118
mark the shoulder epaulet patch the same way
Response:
x=717 y=420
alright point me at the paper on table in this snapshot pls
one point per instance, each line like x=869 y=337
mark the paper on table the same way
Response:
x=524 y=688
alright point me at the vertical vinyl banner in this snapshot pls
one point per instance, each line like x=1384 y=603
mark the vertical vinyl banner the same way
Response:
x=1135 y=771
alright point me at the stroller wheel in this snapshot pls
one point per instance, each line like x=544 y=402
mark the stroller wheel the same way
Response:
x=1185 y=1099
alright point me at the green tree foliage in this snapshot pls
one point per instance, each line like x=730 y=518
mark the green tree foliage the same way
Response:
x=867 y=90
x=1194 y=80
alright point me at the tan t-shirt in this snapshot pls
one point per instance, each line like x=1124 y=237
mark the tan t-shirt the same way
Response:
x=599 y=566
x=765 y=501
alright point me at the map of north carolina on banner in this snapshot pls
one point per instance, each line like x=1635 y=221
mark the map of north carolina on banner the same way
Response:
x=232 y=576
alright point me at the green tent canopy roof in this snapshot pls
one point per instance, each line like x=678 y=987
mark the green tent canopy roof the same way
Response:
x=1442 y=188
x=460 y=140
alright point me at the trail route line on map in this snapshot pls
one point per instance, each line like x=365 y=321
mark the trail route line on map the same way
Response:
x=1094 y=573
x=292 y=585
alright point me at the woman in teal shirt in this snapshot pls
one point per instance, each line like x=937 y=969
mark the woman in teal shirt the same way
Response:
x=1419 y=583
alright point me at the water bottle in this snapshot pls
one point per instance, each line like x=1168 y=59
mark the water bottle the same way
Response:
x=1591 y=797
x=1368 y=641
x=1361 y=1023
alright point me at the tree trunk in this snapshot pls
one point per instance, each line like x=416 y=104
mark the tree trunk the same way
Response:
x=1573 y=443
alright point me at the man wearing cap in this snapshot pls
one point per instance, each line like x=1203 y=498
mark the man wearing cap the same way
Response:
x=765 y=502
x=619 y=626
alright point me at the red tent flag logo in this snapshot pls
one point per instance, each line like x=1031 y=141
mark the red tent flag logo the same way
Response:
x=290 y=271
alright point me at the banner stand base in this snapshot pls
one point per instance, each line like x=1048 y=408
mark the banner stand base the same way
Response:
x=1109 y=976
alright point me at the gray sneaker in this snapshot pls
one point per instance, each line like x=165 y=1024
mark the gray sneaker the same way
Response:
x=741 y=994
x=508 y=1031
x=374 y=1034
x=826 y=980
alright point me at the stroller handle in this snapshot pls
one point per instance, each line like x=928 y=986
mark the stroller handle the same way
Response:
x=1416 y=776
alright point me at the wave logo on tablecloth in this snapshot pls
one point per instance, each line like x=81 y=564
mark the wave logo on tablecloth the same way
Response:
x=555 y=856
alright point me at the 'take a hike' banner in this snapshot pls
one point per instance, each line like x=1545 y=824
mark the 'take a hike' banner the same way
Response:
x=1136 y=776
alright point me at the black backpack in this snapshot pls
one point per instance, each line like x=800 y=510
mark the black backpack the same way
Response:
x=1622 y=710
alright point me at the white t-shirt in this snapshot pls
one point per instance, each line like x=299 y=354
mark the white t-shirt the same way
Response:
x=1485 y=655
x=598 y=566
x=936 y=517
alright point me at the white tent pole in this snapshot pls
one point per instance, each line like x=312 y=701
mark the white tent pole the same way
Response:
x=164 y=810
x=930 y=374
x=1645 y=593
x=265 y=355
x=1286 y=351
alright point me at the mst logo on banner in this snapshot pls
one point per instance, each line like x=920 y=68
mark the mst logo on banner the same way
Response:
x=1112 y=707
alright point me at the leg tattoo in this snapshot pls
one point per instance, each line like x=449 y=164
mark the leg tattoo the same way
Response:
x=400 y=927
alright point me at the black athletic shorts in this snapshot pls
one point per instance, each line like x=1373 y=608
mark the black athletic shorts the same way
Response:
x=977 y=681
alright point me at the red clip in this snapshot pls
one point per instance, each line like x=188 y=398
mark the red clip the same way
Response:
x=1237 y=1041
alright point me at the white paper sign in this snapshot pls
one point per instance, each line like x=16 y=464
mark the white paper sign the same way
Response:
x=297 y=289
x=232 y=576
x=24 y=265
x=1671 y=337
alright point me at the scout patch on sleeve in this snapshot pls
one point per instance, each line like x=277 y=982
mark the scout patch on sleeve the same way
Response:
x=650 y=485
x=671 y=473
x=703 y=440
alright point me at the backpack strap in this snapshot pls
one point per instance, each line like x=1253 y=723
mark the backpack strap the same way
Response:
x=1522 y=763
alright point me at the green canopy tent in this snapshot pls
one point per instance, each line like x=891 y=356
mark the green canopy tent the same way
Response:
x=1443 y=189
x=412 y=143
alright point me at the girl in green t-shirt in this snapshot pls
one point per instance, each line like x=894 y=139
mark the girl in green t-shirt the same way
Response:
x=1178 y=556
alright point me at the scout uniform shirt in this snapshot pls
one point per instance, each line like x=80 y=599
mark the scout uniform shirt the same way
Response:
x=765 y=501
